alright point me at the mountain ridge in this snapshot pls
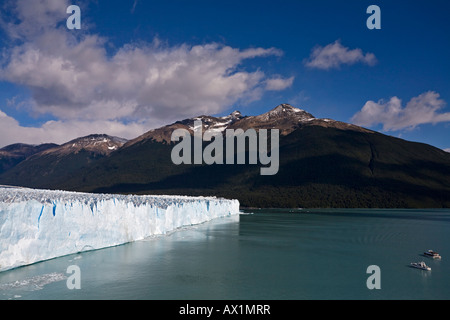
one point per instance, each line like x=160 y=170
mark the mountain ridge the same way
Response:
x=323 y=163
x=284 y=117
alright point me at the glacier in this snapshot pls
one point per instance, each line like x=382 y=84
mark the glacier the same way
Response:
x=37 y=225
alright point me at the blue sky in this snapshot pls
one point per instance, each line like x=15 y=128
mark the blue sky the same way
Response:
x=136 y=65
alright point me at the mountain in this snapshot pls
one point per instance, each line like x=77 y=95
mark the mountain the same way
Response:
x=287 y=119
x=164 y=134
x=97 y=144
x=284 y=117
x=12 y=155
x=323 y=163
x=54 y=164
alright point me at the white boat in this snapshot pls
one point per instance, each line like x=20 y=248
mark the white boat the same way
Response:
x=420 y=265
x=432 y=254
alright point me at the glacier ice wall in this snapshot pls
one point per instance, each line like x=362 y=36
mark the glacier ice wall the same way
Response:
x=37 y=225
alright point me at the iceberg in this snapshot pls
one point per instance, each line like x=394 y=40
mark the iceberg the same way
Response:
x=37 y=225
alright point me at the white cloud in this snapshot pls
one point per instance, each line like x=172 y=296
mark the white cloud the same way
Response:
x=278 y=84
x=422 y=109
x=30 y=18
x=447 y=150
x=335 y=54
x=73 y=76
x=80 y=80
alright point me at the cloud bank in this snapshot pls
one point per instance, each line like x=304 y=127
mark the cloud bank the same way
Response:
x=423 y=109
x=62 y=131
x=74 y=78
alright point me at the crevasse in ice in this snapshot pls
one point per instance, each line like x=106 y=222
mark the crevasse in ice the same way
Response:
x=37 y=225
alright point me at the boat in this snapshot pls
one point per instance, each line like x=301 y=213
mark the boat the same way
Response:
x=432 y=254
x=420 y=265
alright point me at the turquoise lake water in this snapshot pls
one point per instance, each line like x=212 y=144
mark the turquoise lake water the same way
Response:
x=259 y=255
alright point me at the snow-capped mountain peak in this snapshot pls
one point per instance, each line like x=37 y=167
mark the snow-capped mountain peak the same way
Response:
x=286 y=110
x=236 y=115
x=96 y=143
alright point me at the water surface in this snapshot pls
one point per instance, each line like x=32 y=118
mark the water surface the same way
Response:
x=267 y=254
